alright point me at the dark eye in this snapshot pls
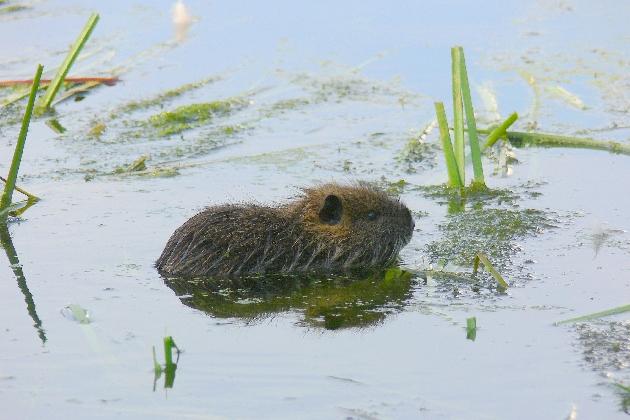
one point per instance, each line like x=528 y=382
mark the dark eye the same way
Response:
x=372 y=216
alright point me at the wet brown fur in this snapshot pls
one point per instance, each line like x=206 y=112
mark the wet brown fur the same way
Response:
x=327 y=229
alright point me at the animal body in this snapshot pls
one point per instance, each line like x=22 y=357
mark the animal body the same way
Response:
x=329 y=228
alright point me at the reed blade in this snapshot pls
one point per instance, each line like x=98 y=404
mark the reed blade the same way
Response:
x=9 y=186
x=447 y=147
x=44 y=104
x=458 y=114
x=473 y=137
x=500 y=131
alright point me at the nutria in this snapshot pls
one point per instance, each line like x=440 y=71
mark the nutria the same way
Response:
x=330 y=228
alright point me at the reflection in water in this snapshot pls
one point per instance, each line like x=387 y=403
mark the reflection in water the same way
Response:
x=7 y=244
x=332 y=303
x=181 y=21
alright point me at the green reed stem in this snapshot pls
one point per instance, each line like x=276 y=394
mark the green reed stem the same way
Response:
x=447 y=147
x=499 y=131
x=44 y=104
x=519 y=139
x=9 y=186
x=596 y=315
x=473 y=138
x=489 y=268
x=458 y=114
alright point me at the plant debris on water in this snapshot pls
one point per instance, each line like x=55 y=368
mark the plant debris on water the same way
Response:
x=488 y=230
x=190 y=116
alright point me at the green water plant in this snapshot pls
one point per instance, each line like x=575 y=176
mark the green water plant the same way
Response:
x=9 y=187
x=522 y=139
x=471 y=328
x=463 y=111
x=596 y=315
x=481 y=258
x=45 y=102
x=169 y=367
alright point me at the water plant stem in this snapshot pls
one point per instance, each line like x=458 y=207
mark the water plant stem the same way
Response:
x=110 y=81
x=9 y=186
x=458 y=114
x=44 y=103
x=596 y=315
x=473 y=138
x=499 y=131
x=519 y=139
x=490 y=268
x=447 y=147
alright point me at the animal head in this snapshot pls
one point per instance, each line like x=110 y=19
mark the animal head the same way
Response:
x=361 y=221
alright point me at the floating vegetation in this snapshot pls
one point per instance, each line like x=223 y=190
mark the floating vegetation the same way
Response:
x=566 y=96
x=170 y=367
x=190 y=116
x=76 y=313
x=493 y=231
x=135 y=166
x=7 y=195
x=521 y=139
x=13 y=8
x=481 y=258
x=500 y=131
x=161 y=98
x=471 y=328
x=596 y=315
x=418 y=151
x=46 y=101
x=606 y=345
x=624 y=393
x=444 y=194
x=97 y=129
x=56 y=126
x=330 y=303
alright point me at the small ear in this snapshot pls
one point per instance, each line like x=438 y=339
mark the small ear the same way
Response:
x=331 y=211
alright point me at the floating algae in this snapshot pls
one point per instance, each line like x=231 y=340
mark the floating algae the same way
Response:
x=190 y=116
x=161 y=98
x=491 y=231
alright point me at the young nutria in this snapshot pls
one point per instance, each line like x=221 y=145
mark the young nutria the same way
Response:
x=330 y=228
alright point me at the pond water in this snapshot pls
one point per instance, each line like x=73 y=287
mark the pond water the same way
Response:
x=295 y=94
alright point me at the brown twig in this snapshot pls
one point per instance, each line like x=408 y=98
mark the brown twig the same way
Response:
x=109 y=81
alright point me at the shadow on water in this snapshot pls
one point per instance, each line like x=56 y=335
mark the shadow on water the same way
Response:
x=332 y=303
x=7 y=245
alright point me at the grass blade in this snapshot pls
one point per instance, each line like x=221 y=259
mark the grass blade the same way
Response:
x=447 y=147
x=458 y=114
x=471 y=328
x=596 y=315
x=489 y=268
x=500 y=131
x=44 y=104
x=9 y=186
x=473 y=138
x=519 y=139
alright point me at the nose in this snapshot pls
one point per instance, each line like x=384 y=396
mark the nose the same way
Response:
x=412 y=224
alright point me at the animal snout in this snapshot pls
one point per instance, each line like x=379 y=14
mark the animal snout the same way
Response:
x=410 y=220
